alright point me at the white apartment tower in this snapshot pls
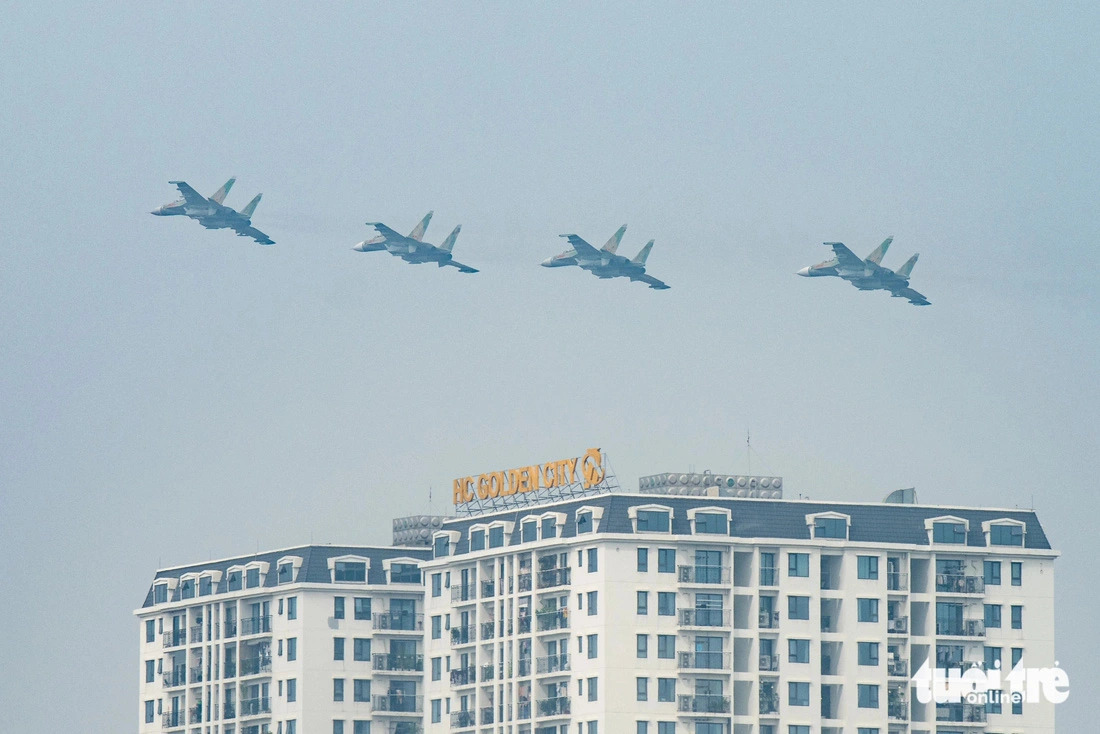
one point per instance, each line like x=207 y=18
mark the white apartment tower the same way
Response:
x=696 y=606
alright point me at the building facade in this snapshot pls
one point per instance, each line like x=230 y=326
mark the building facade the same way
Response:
x=658 y=612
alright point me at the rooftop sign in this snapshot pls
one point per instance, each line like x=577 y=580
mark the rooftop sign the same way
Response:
x=559 y=479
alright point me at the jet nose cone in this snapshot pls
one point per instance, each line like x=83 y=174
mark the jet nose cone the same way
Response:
x=358 y=248
x=805 y=272
x=547 y=263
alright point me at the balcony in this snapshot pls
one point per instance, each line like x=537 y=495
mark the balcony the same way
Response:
x=463 y=719
x=523 y=710
x=396 y=662
x=947 y=583
x=704 y=704
x=897 y=668
x=399 y=621
x=229 y=629
x=769 y=620
x=554 y=706
x=769 y=704
x=486 y=715
x=398 y=703
x=553 y=620
x=175 y=677
x=194 y=716
x=525 y=582
x=256 y=625
x=704 y=618
x=898 y=710
x=463 y=635
x=896 y=581
x=196 y=675
x=768 y=576
x=256 y=666
x=552 y=664
x=196 y=633
x=969 y=628
x=255 y=706
x=172 y=719
x=703 y=574
x=405 y=727
x=487 y=671
x=488 y=630
x=231 y=670
x=769 y=663
x=897 y=626
x=229 y=710
x=703 y=660
x=524 y=667
x=962 y=713
x=488 y=588
x=524 y=623
x=550 y=578
x=175 y=638
x=464 y=676
x=463 y=593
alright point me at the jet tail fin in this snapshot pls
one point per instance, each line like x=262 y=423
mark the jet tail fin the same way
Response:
x=219 y=195
x=640 y=258
x=449 y=243
x=613 y=243
x=876 y=256
x=907 y=268
x=250 y=207
x=418 y=231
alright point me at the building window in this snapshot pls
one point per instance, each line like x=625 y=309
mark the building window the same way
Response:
x=362 y=607
x=666 y=560
x=830 y=527
x=641 y=689
x=149 y=712
x=350 y=571
x=868 y=610
x=291 y=690
x=767 y=569
x=437 y=668
x=992 y=573
x=798 y=564
x=404 y=573
x=666 y=603
x=992 y=615
x=160 y=593
x=549 y=527
x=292 y=607
x=437 y=626
x=593 y=560
x=441 y=546
x=529 y=532
x=643 y=560
x=291 y=649
x=150 y=670
x=592 y=606
x=798 y=607
x=948 y=532
x=666 y=727
x=187 y=589
x=653 y=521
x=496 y=536
x=593 y=646
x=1017 y=617
x=798 y=694
x=437 y=585
x=234 y=580
x=792 y=729
x=1006 y=535
x=360 y=727
x=666 y=689
x=666 y=646
x=798 y=651
x=643 y=602
x=286 y=573
x=643 y=646
x=338 y=607
x=437 y=710
x=593 y=689
x=361 y=649
x=477 y=540
x=206 y=586
x=1017 y=573
x=711 y=523
x=867 y=696
x=868 y=653
x=337 y=689
x=150 y=630
x=642 y=727
x=337 y=726
x=337 y=648
x=584 y=522
x=867 y=567
x=361 y=690
x=992 y=658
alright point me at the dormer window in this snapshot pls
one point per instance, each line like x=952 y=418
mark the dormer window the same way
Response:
x=206 y=586
x=234 y=579
x=477 y=540
x=160 y=593
x=529 y=531
x=442 y=546
x=349 y=571
x=286 y=572
x=496 y=536
x=187 y=588
x=404 y=573
x=948 y=532
x=712 y=523
x=252 y=577
x=828 y=525
x=1005 y=532
x=549 y=527
x=651 y=519
x=584 y=522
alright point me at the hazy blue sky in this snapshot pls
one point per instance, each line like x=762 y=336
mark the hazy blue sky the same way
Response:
x=170 y=394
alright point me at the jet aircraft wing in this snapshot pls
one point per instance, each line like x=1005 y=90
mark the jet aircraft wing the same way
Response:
x=462 y=268
x=190 y=195
x=914 y=298
x=386 y=232
x=847 y=259
x=255 y=234
x=653 y=282
x=582 y=247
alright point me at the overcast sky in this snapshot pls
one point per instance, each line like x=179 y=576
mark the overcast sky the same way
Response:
x=170 y=394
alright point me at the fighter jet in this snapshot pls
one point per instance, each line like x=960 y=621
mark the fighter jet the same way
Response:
x=212 y=214
x=604 y=263
x=868 y=274
x=413 y=249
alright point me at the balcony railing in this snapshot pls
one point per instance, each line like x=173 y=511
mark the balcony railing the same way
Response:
x=896 y=581
x=703 y=574
x=948 y=583
x=194 y=716
x=487 y=671
x=196 y=675
x=703 y=704
x=229 y=710
x=524 y=667
x=525 y=582
x=175 y=638
x=463 y=593
x=175 y=677
x=256 y=625
x=969 y=628
x=398 y=703
x=968 y=713
x=768 y=576
x=550 y=578
x=230 y=670
x=704 y=617
x=524 y=624
x=392 y=661
x=769 y=620
x=898 y=710
x=255 y=666
x=703 y=660
x=488 y=588
x=769 y=662
x=552 y=664
x=554 y=706
x=769 y=703
x=523 y=710
x=463 y=635
x=463 y=719
x=399 y=621
x=553 y=620
x=171 y=719
x=255 y=706
x=897 y=625
x=897 y=668
x=464 y=676
x=405 y=727
x=196 y=633
x=488 y=630
x=486 y=715
x=229 y=629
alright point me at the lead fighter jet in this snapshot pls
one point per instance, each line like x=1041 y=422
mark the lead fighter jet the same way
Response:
x=413 y=249
x=867 y=274
x=605 y=263
x=212 y=214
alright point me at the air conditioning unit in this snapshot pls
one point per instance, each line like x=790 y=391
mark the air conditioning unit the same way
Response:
x=685 y=573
